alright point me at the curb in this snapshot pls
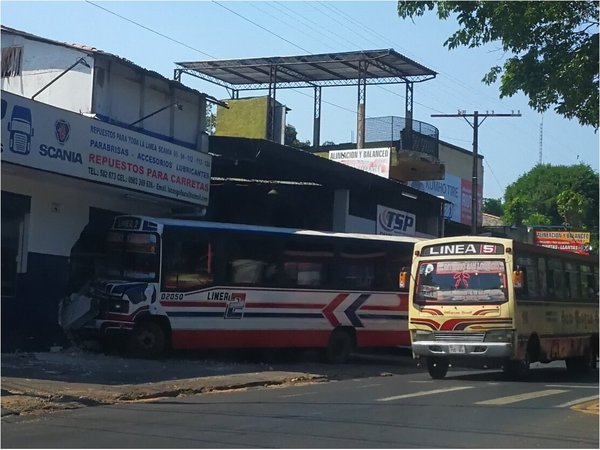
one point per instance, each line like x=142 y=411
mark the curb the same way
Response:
x=31 y=397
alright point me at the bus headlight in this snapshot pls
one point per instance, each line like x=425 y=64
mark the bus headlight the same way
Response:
x=499 y=336
x=421 y=335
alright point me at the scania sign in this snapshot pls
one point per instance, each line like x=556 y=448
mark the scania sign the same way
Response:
x=463 y=248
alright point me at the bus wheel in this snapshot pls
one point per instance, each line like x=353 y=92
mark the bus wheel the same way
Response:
x=341 y=345
x=147 y=340
x=437 y=368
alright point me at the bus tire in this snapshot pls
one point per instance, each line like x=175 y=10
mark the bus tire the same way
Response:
x=341 y=345
x=147 y=340
x=437 y=368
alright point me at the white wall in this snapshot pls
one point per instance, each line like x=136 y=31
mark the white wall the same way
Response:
x=60 y=211
x=43 y=62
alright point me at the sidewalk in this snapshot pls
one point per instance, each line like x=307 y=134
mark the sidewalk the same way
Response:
x=37 y=383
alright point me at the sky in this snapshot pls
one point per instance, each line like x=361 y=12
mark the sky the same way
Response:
x=156 y=34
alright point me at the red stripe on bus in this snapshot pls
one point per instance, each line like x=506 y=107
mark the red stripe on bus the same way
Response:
x=285 y=305
x=194 y=339
x=430 y=323
x=382 y=338
x=401 y=306
x=196 y=304
x=328 y=310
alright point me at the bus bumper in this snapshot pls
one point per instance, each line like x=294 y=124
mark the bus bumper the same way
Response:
x=492 y=350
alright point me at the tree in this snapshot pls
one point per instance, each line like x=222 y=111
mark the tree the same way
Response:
x=291 y=138
x=493 y=206
x=554 y=47
x=554 y=195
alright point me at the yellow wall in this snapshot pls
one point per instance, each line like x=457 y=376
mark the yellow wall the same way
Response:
x=245 y=117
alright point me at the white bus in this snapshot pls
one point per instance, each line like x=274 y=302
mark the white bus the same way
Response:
x=184 y=284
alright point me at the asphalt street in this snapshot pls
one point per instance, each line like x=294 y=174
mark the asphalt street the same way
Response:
x=394 y=410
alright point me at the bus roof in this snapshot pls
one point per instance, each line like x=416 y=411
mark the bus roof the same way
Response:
x=517 y=245
x=185 y=223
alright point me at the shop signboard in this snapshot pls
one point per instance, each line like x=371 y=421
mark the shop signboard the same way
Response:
x=570 y=241
x=393 y=222
x=44 y=137
x=372 y=160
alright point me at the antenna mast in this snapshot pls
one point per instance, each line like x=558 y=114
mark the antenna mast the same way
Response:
x=541 y=140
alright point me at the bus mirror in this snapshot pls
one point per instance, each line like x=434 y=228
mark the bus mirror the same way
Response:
x=518 y=279
x=403 y=280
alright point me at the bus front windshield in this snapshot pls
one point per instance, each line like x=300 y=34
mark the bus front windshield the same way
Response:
x=132 y=256
x=461 y=282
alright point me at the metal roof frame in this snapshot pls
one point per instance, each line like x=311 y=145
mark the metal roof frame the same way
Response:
x=357 y=68
x=328 y=69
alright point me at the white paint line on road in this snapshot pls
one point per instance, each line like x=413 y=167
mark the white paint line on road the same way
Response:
x=421 y=393
x=368 y=386
x=579 y=400
x=575 y=386
x=421 y=381
x=521 y=397
x=297 y=395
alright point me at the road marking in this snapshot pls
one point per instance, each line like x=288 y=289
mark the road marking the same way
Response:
x=521 y=397
x=579 y=400
x=369 y=385
x=575 y=386
x=421 y=393
x=297 y=395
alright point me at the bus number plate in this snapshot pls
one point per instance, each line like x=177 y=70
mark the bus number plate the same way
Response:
x=457 y=349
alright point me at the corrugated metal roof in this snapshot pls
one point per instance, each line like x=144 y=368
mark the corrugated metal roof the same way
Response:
x=342 y=69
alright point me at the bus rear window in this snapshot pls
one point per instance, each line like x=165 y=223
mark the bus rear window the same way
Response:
x=461 y=282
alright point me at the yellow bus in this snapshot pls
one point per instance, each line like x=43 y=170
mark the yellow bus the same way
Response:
x=477 y=301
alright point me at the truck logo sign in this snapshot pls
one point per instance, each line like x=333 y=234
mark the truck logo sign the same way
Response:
x=20 y=130
x=62 y=129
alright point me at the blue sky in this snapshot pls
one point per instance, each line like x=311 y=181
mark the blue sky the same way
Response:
x=217 y=30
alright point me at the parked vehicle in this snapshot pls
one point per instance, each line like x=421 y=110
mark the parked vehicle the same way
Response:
x=198 y=285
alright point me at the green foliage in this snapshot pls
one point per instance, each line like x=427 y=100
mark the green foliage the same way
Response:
x=537 y=219
x=572 y=207
x=211 y=119
x=553 y=195
x=554 y=47
x=493 y=206
x=291 y=138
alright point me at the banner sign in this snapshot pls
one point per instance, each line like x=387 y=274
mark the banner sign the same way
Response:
x=44 y=137
x=393 y=222
x=570 y=241
x=456 y=190
x=372 y=160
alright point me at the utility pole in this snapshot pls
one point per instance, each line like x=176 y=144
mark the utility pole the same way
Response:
x=475 y=125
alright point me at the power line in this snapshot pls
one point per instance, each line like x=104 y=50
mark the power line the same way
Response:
x=149 y=29
x=259 y=26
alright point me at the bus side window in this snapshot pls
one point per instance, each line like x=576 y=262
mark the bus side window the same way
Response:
x=188 y=265
x=307 y=264
x=556 y=279
x=251 y=261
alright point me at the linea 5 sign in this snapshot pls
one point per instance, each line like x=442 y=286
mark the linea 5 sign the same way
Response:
x=393 y=222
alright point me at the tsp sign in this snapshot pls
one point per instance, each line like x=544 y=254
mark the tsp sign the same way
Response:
x=394 y=222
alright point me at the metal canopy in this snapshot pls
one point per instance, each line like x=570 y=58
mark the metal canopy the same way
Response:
x=328 y=69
